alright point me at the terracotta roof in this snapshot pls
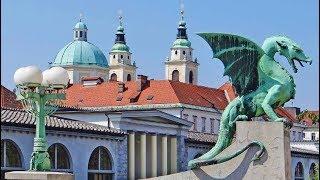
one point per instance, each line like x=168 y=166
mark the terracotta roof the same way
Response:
x=155 y=92
x=199 y=137
x=230 y=90
x=18 y=117
x=284 y=113
x=8 y=99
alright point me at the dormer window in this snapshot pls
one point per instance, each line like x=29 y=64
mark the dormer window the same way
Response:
x=80 y=33
x=76 y=34
x=85 y=35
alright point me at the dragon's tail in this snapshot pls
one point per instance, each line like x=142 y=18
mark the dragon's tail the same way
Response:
x=218 y=160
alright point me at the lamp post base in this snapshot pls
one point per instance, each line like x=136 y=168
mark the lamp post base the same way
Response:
x=40 y=161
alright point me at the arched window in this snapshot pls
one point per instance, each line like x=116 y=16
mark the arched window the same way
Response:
x=175 y=75
x=128 y=77
x=190 y=77
x=121 y=56
x=60 y=158
x=114 y=56
x=175 y=52
x=298 y=172
x=11 y=158
x=312 y=171
x=100 y=164
x=183 y=52
x=113 y=77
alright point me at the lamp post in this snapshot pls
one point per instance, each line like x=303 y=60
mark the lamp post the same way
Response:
x=40 y=93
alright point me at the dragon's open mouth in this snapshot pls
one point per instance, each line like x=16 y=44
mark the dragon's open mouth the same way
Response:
x=300 y=61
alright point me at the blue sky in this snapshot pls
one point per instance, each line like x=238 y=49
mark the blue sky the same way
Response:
x=33 y=31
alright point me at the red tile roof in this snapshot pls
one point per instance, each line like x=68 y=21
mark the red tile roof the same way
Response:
x=8 y=99
x=230 y=90
x=157 y=92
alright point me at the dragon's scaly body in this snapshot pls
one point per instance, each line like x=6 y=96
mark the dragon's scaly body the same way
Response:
x=261 y=83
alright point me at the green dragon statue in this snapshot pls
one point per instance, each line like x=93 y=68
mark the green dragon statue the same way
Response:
x=261 y=83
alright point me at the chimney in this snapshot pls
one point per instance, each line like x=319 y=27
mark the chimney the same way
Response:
x=143 y=82
x=121 y=87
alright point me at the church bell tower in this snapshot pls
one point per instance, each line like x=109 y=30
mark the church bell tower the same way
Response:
x=180 y=66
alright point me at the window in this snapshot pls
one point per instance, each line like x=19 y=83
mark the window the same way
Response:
x=293 y=135
x=113 y=77
x=299 y=136
x=121 y=56
x=175 y=52
x=77 y=34
x=298 y=172
x=114 y=56
x=203 y=124
x=190 y=53
x=195 y=124
x=175 y=75
x=190 y=77
x=212 y=125
x=312 y=171
x=313 y=136
x=128 y=57
x=85 y=34
x=10 y=157
x=59 y=156
x=128 y=77
x=100 y=165
x=80 y=33
x=303 y=135
x=183 y=52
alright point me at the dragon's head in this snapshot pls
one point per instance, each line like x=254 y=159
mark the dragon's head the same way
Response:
x=292 y=52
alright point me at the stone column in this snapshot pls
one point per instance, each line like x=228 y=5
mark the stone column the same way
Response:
x=173 y=150
x=154 y=155
x=164 y=155
x=131 y=156
x=143 y=156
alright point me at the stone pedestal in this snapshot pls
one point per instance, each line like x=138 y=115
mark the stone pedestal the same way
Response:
x=274 y=164
x=32 y=175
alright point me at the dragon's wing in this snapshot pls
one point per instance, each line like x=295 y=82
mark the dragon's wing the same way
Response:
x=240 y=57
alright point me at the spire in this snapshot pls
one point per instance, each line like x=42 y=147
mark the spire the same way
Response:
x=120 y=42
x=80 y=17
x=80 y=30
x=120 y=31
x=182 y=30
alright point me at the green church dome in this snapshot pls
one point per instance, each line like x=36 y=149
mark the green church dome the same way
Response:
x=80 y=25
x=120 y=47
x=80 y=53
x=181 y=43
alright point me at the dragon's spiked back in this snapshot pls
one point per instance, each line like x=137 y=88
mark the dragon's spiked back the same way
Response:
x=240 y=57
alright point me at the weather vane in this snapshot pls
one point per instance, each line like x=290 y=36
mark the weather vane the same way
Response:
x=120 y=16
x=182 y=10
x=80 y=17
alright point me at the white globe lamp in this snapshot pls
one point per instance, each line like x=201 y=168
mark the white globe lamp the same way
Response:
x=28 y=76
